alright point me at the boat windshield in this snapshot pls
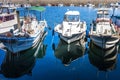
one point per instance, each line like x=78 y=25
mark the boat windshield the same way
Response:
x=71 y=18
x=103 y=16
x=6 y=10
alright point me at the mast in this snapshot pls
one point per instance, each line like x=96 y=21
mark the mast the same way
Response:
x=18 y=20
x=28 y=7
x=113 y=11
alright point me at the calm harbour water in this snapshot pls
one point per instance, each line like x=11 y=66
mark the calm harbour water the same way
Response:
x=53 y=59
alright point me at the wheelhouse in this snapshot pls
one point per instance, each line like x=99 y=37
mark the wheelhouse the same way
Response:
x=72 y=16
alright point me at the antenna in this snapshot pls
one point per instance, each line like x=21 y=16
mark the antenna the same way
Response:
x=67 y=9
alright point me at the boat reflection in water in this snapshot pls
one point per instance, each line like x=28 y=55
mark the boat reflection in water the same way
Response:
x=16 y=65
x=104 y=60
x=69 y=52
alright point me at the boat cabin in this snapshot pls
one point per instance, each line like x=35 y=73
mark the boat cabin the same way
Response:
x=103 y=16
x=103 y=23
x=5 y=14
x=8 y=19
x=72 y=16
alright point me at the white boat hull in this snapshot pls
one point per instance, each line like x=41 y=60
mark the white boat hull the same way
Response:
x=71 y=29
x=73 y=38
x=104 y=41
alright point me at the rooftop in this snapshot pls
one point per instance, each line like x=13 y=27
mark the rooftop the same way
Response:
x=72 y=13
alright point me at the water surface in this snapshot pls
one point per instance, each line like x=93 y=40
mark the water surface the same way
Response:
x=55 y=60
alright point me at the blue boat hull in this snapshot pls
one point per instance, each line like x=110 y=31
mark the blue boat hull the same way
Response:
x=19 y=44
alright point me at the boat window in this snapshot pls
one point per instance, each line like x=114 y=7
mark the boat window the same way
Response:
x=103 y=16
x=7 y=18
x=6 y=10
x=0 y=19
x=0 y=11
x=11 y=17
x=11 y=10
x=71 y=18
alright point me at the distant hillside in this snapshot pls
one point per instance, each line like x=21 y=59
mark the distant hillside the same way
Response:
x=62 y=1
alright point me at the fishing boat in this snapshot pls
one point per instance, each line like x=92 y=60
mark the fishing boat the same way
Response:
x=90 y=5
x=103 y=32
x=116 y=18
x=117 y=5
x=8 y=18
x=72 y=28
x=27 y=36
x=116 y=21
x=60 y=5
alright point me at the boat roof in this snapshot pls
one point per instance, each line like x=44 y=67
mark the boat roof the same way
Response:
x=37 y=8
x=103 y=11
x=72 y=13
x=4 y=7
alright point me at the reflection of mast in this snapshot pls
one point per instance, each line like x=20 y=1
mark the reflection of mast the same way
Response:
x=68 y=53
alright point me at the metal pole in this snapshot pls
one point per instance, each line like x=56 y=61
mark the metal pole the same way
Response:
x=40 y=15
x=113 y=10
x=18 y=20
